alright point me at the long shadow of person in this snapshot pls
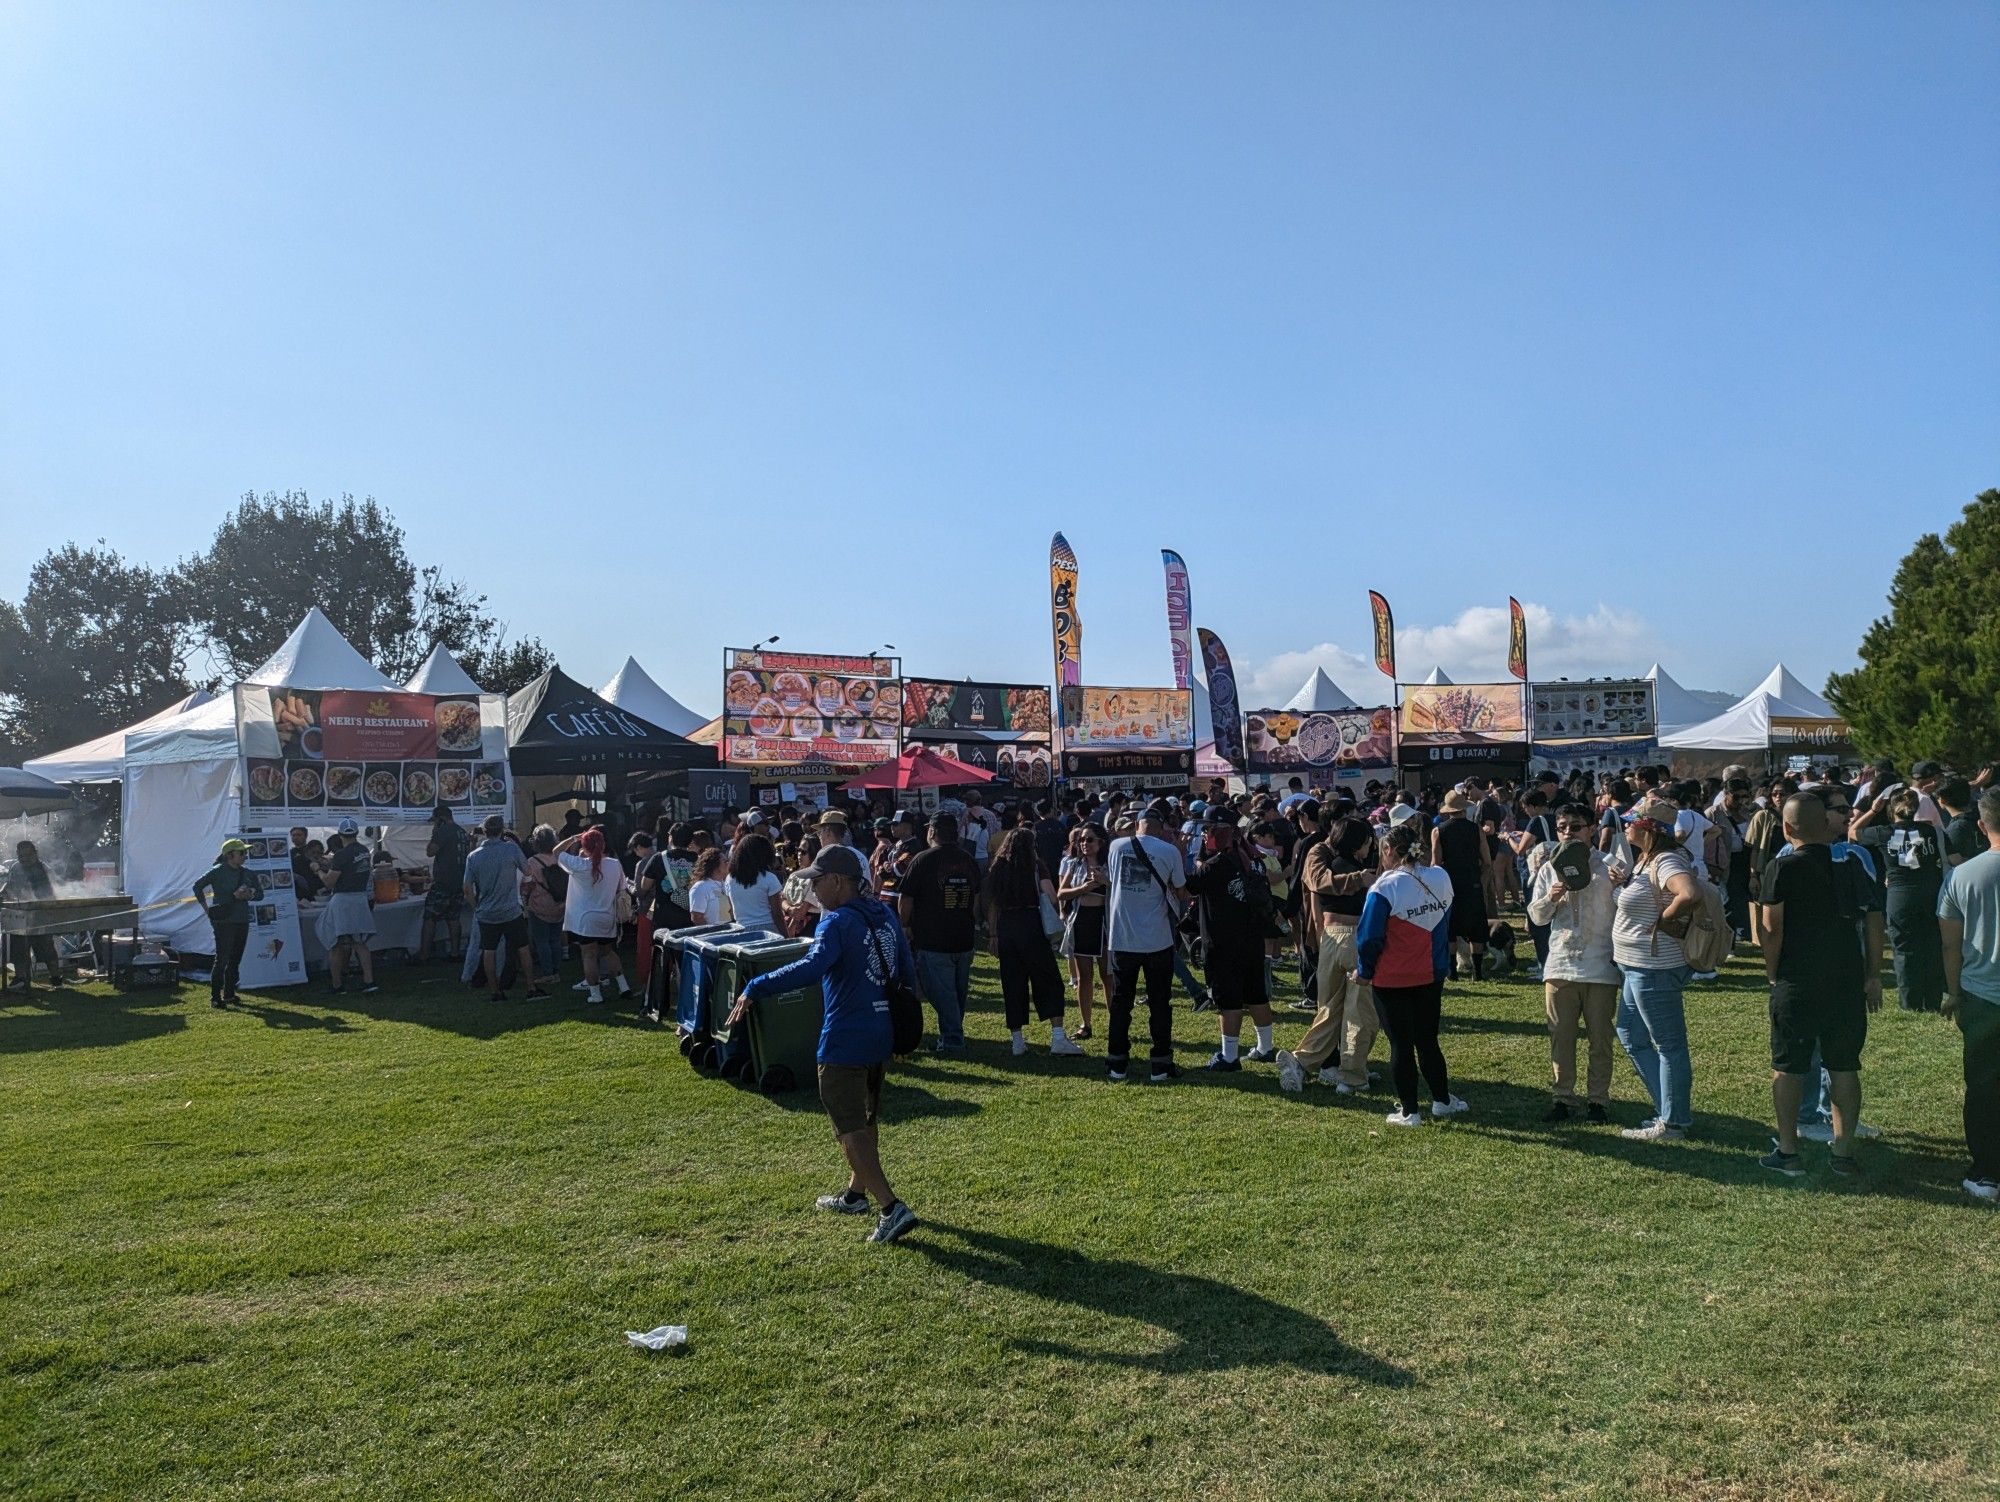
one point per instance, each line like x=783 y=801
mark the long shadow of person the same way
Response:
x=1210 y=1326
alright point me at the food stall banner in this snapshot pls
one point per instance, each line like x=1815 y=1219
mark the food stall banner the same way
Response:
x=275 y=955
x=1288 y=740
x=1462 y=714
x=935 y=709
x=1025 y=764
x=1593 y=756
x=1591 y=710
x=1111 y=719
x=803 y=714
x=313 y=755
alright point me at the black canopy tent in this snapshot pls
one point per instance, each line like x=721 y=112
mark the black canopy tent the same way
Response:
x=559 y=731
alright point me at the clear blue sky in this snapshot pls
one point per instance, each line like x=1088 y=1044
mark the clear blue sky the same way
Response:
x=818 y=319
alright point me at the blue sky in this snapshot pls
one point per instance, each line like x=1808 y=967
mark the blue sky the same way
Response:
x=675 y=326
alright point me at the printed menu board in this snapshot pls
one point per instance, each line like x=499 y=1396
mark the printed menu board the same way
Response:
x=1005 y=710
x=801 y=713
x=1109 y=719
x=1454 y=714
x=1290 y=740
x=383 y=756
x=274 y=955
x=1591 y=710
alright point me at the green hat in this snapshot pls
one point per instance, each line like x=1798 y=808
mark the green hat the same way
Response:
x=230 y=847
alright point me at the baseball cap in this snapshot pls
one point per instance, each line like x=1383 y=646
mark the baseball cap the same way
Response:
x=230 y=847
x=752 y=817
x=884 y=825
x=1158 y=809
x=1197 y=808
x=1402 y=813
x=1572 y=863
x=1925 y=769
x=347 y=826
x=834 y=860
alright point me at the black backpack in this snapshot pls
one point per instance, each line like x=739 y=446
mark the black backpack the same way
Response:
x=556 y=880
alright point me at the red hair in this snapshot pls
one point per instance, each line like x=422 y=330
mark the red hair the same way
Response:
x=593 y=846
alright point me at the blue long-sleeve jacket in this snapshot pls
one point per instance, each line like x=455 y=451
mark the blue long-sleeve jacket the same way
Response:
x=852 y=970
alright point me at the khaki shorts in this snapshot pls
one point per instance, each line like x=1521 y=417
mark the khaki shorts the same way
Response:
x=852 y=1095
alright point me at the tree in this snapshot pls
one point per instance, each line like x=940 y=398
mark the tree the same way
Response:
x=95 y=643
x=1929 y=680
x=449 y=612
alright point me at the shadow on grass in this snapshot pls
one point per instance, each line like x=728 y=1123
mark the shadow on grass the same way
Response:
x=286 y=1019
x=48 y=1019
x=1214 y=1326
x=435 y=997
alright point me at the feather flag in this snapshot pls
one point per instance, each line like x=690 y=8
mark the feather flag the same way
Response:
x=1517 y=639
x=1385 y=635
x=1065 y=621
x=1180 y=616
x=1224 y=718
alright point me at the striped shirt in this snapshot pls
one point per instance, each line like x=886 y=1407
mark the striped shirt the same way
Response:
x=1634 y=942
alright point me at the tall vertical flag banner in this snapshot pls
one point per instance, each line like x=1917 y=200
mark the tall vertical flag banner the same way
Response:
x=1385 y=635
x=1064 y=620
x=1224 y=717
x=1180 y=616
x=1517 y=640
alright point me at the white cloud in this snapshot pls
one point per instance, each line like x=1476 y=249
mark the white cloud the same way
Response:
x=1608 y=642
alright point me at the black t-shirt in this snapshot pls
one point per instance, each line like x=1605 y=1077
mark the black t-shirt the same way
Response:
x=1238 y=899
x=1051 y=837
x=1823 y=901
x=1962 y=837
x=353 y=868
x=305 y=881
x=1913 y=855
x=674 y=871
x=1458 y=850
x=942 y=885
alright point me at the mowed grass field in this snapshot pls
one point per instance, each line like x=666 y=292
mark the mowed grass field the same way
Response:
x=387 y=1246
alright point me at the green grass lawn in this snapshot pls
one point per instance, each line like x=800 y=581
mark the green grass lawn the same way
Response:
x=387 y=1248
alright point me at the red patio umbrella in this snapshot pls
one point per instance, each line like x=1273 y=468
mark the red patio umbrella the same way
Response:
x=918 y=767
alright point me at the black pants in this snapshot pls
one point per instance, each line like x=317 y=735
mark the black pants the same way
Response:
x=1736 y=893
x=27 y=948
x=1979 y=1021
x=1919 y=947
x=1410 y=1016
x=1027 y=967
x=229 y=941
x=1126 y=969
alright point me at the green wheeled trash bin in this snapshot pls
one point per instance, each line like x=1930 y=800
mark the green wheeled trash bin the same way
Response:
x=732 y=964
x=783 y=1028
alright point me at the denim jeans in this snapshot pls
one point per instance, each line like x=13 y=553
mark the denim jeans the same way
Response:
x=1184 y=973
x=545 y=945
x=1652 y=1025
x=947 y=980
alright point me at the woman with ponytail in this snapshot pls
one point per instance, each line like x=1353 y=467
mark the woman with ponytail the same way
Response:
x=590 y=911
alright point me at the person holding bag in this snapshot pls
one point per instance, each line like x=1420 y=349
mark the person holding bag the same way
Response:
x=1020 y=903
x=1654 y=905
x=1080 y=888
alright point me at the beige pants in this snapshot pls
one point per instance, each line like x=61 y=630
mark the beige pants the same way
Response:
x=1345 y=1021
x=1596 y=1005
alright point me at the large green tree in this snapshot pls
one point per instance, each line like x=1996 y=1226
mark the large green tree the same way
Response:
x=1929 y=680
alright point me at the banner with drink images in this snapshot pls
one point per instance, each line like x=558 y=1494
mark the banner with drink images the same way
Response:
x=274 y=955
x=1289 y=740
x=809 y=714
x=381 y=755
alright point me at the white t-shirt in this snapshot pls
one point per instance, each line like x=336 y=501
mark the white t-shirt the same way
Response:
x=752 y=904
x=1142 y=915
x=587 y=907
x=976 y=838
x=707 y=901
x=1691 y=829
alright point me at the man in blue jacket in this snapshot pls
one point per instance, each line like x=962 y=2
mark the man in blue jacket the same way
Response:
x=857 y=949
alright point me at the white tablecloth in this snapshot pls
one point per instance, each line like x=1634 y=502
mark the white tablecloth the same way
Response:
x=398 y=925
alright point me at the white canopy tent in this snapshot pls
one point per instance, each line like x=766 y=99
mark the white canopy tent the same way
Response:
x=1677 y=708
x=1746 y=724
x=103 y=759
x=441 y=674
x=1320 y=692
x=1437 y=676
x=181 y=795
x=632 y=688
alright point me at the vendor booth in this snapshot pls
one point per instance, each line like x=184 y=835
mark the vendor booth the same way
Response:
x=1449 y=731
x=566 y=743
x=1323 y=738
x=1000 y=729
x=1778 y=719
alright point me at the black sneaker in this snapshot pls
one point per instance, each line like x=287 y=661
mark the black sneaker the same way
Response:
x=536 y=993
x=1221 y=1065
x=1791 y=1165
x=1560 y=1111
x=1844 y=1166
x=1166 y=1073
x=1264 y=1056
x=1596 y=1115
x=370 y=989
x=216 y=1002
x=1114 y=1074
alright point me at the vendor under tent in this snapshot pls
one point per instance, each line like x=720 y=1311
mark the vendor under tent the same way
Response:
x=632 y=688
x=24 y=792
x=565 y=742
x=102 y=759
x=1776 y=720
x=181 y=781
x=918 y=767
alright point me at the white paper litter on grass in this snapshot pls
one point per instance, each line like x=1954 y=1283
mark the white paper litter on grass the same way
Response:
x=665 y=1338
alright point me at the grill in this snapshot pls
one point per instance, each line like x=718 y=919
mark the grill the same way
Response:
x=46 y=917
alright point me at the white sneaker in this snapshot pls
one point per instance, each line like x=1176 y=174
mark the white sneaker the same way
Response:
x=1702 y=975
x=1653 y=1131
x=1066 y=1047
x=582 y=985
x=1816 y=1131
x=1455 y=1106
x=1019 y=1046
x=1405 y=1118
x=594 y=996
x=1865 y=1133
x=1340 y=1086
x=1532 y=972
x=1986 y=1191
x=1291 y=1073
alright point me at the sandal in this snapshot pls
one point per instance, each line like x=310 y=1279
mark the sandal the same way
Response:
x=1082 y=1032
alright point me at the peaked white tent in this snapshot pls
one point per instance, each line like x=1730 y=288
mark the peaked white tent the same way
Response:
x=1437 y=676
x=103 y=759
x=1320 y=692
x=441 y=674
x=1677 y=708
x=1746 y=724
x=632 y=688
x=181 y=796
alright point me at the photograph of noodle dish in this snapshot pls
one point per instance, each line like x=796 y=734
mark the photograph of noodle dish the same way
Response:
x=305 y=784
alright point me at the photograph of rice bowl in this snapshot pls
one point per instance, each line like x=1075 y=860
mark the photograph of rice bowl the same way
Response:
x=343 y=784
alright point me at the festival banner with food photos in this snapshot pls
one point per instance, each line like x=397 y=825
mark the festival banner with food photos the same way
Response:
x=938 y=708
x=803 y=714
x=274 y=954
x=1289 y=740
x=1462 y=714
x=1591 y=710
x=383 y=756
x=1127 y=732
x=1025 y=764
